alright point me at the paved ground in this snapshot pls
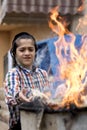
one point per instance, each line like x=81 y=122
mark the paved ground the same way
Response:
x=3 y=126
x=3 y=111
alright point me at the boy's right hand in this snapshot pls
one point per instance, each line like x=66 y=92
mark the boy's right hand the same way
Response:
x=23 y=97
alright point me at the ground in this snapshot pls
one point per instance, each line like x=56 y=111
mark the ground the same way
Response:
x=3 y=126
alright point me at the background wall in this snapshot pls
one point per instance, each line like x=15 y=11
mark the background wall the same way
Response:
x=80 y=20
x=4 y=47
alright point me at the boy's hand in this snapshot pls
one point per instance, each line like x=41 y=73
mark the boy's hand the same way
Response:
x=23 y=97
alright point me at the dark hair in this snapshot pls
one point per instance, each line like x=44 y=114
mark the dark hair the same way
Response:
x=14 y=44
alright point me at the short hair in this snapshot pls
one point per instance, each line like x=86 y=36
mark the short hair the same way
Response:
x=14 y=44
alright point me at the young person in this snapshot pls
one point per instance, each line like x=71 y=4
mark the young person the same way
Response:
x=23 y=78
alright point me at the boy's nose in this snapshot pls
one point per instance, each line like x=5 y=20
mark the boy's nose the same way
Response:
x=27 y=52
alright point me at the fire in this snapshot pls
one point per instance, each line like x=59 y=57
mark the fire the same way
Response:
x=81 y=6
x=59 y=25
x=72 y=64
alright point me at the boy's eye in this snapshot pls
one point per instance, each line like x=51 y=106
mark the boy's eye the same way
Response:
x=24 y=49
x=31 y=49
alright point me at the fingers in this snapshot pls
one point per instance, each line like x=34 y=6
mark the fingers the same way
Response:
x=30 y=98
x=23 y=97
x=24 y=91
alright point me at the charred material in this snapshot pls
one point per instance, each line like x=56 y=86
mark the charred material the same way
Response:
x=37 y=105
x=34 y=106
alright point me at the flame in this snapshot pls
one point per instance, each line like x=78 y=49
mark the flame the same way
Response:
x=58 y=26
x=72 y=63
x=81 y=7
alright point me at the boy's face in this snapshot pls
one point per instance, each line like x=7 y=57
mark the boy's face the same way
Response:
x=25 y=52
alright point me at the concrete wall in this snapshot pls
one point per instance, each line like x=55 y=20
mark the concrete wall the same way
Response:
x=79 y=24
x=4 y=46
x=54 y=121
x=40 y=31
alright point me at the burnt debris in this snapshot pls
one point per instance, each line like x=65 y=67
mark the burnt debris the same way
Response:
x=37 y=105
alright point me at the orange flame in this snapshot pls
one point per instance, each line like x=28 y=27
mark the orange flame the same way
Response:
x=81 y=7
x=58 y=26
x=72 y=71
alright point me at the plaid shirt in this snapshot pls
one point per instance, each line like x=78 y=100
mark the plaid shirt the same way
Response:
x=17 y=79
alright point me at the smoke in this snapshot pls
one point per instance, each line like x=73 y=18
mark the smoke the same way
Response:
x=41 y=54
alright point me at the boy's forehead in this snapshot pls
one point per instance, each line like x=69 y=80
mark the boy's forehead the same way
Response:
x=25 y=42
x=19 y=40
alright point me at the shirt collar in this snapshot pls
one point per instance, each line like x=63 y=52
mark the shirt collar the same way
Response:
x=27 y=70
